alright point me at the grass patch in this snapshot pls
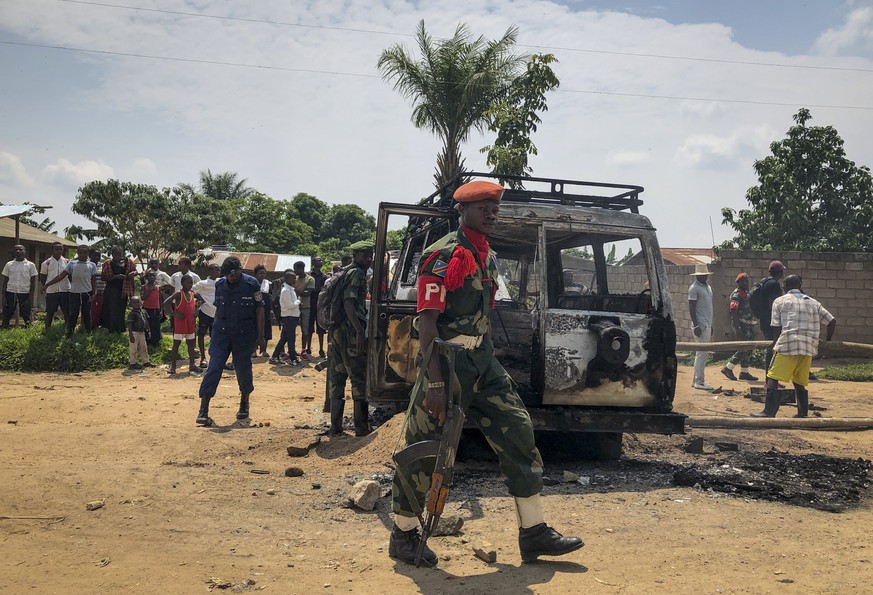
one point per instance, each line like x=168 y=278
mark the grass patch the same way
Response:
x=36 y=350
x=850 y=373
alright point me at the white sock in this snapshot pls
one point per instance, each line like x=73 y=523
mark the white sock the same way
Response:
x=405 y=523
x=730 y=366
x=744 y=370
x=529 y=511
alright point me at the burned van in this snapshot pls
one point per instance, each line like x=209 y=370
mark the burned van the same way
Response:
x=590 y=345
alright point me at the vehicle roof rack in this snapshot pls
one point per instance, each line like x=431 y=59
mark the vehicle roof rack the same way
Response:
x=616 y=197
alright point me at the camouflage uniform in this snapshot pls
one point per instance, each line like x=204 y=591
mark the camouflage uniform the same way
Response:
x=739 y=301
x=487 y=397
x=344 y=360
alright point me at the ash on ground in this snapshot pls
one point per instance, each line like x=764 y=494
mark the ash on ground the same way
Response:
x=813 y=481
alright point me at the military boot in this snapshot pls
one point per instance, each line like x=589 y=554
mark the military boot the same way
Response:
x=542 y=540
x=802 y=397
x=336 y=416
x=362 y=422
x=203 y=418
x=771 y=404
x=243 y=412
x=403 y=545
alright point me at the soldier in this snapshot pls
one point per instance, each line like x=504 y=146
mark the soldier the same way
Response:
x=347 y=356
x=456 y=287
x=238 y=327
x=743 y=325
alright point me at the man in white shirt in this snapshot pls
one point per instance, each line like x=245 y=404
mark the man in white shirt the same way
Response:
x=58 y=295
x=19 y=282
x=161 y=278
x=700 y=307
x=290 y=310
x=205 y=291
x=184 y=269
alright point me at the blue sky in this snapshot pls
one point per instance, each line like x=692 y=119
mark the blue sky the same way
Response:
x=309 y=113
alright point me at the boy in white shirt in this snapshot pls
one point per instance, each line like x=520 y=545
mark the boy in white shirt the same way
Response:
x=19 y=283
x=205 y=290
x=290 y=309
x=56 y=296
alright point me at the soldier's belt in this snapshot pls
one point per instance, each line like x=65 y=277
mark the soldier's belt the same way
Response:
x=468 y=341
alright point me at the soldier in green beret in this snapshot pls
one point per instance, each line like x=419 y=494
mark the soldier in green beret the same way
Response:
x=347 y=356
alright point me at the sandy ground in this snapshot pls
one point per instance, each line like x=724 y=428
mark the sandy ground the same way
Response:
x=183 y=508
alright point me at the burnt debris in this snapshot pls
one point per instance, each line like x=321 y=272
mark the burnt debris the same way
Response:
x=813 y=481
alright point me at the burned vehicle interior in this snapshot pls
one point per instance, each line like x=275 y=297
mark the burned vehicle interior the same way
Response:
x=570 y=325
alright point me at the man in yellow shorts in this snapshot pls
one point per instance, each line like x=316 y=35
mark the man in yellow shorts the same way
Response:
x=796 y=322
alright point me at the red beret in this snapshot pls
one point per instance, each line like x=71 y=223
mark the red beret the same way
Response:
x=479 y=190
x=742 y=276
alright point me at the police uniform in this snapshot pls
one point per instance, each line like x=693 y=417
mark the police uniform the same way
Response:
x=455 y=279
x=234 y=332
x=345 y=361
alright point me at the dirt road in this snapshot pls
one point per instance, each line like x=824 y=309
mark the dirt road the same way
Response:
x=183 y=510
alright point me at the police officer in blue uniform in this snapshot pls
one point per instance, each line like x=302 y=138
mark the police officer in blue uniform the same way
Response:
x=238 y=327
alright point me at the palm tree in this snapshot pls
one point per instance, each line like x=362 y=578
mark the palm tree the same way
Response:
x=452 y=85
x=221 y=186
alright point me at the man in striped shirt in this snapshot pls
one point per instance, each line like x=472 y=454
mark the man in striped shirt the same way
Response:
x=796 y=320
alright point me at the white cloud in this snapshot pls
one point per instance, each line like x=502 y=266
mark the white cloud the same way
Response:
x=710 y=151
x=853 y=37
x=67 y=174
x=13 y=174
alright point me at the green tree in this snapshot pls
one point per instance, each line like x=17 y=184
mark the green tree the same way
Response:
x=348 y=224
x=150 y=222
x=311 y=211
x=198 y=221
x=394 y=239
x=452 y=86
x=809 y=196
x=515 y=118
x=131 y=215
x=268 y=225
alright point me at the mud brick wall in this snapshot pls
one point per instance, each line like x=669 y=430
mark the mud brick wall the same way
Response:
x=842 y=282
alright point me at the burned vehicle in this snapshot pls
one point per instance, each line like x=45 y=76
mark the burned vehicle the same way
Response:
x=590 y=345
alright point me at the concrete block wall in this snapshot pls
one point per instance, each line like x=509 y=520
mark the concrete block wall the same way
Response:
x=842 y=282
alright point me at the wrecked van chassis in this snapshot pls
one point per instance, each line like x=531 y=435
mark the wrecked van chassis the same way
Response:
x=551 y=417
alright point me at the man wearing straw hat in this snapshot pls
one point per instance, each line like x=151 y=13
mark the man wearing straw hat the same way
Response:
x=700 y=307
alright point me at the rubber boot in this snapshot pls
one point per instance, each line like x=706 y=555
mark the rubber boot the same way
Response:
x=771 y=405
x=336 y=416
x=802 y=397
x=243 y=412
x=362 y=423
x=203 y=418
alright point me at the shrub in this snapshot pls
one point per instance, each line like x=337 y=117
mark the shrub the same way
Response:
x=851 y=373
x=35 y=350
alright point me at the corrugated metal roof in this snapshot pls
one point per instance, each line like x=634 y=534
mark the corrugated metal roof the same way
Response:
x=30 y=234
x=687 y=256
x=12 y=210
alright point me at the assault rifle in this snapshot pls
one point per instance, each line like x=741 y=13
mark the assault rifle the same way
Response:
x=444 y=450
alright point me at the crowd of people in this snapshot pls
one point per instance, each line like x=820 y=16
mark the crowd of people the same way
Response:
x=111 y=293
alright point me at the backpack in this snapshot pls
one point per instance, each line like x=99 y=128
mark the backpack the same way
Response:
x=758 y=301
x=329 y=308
